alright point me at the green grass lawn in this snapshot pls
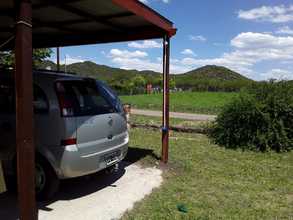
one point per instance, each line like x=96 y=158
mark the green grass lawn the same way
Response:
x=194 y=102
x=2 y=184
x=213 y=182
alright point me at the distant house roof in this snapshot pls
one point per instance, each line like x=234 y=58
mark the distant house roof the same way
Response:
x=76 y=22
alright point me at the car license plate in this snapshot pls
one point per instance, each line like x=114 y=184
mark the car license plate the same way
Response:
x=112 y=158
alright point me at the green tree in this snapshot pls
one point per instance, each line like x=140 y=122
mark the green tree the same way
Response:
x=137 y=84
x=172 y=83
x=39 y=55
x=139 y=81
x=261 y=119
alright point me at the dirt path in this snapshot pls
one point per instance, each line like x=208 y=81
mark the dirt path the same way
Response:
x=187 y=116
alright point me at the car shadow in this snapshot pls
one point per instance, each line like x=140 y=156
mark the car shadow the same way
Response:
x=75 y=188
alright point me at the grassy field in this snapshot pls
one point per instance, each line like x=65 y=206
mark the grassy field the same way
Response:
x=213 y=182
x=194 y=102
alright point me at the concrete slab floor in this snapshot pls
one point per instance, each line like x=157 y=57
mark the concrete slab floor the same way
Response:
x=100 y=196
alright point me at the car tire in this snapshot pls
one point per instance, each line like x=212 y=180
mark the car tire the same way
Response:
x=47 y=182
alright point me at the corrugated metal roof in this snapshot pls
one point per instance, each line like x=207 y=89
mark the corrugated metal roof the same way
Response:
x=77 y=22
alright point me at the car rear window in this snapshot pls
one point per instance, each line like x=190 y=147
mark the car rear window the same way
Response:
x=82 y=98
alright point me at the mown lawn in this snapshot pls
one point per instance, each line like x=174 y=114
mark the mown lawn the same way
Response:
x=213 y=182
x=194 y=102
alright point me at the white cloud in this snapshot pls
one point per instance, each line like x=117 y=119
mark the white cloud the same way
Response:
x=217 y=44
x=145 y=44
x=260 y=40
x=144 y=1
x=197 y=38
x=116 y=53
x=250 y=49
x=147 y=1
x=275 y=14
x=188 y=52
x=139 y=60
x=285 y=30
x=71 y=60
x=279 y=74
x=146 y=64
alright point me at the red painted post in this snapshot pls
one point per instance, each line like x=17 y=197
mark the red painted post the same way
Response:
x=24 y=111
x=166 y=70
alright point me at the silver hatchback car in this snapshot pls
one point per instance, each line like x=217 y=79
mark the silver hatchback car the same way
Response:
x=80 y=128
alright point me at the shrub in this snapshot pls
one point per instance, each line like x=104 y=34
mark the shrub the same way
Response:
x=261 y=119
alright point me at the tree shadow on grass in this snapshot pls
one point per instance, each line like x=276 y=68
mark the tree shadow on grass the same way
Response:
x=135 y=154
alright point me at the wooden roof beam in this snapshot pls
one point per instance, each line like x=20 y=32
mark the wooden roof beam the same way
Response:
x=48 y=3
x=95 y=18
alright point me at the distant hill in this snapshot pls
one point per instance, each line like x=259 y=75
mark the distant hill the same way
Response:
x=207 y=78
x=214 y=72
x=212 y=78
x=101 y=72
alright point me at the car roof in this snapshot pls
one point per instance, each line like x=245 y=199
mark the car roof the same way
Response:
x=7 y=73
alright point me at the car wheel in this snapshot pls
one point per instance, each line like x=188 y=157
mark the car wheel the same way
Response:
x=47 y=182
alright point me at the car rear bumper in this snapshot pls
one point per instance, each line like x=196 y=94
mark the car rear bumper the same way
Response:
x=74 y=164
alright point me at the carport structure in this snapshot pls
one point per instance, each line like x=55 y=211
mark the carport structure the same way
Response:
x=27 y=24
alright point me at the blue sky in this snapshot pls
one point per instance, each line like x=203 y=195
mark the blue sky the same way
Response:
x=254 y=38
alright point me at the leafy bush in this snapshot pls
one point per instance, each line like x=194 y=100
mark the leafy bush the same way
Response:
x=261 y=119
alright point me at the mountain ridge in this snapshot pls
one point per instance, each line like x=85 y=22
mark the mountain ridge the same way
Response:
x=88 y=68
x=206 y=78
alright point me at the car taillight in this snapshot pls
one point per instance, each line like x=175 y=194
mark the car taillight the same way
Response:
x=67 y=142
x=66 y=105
